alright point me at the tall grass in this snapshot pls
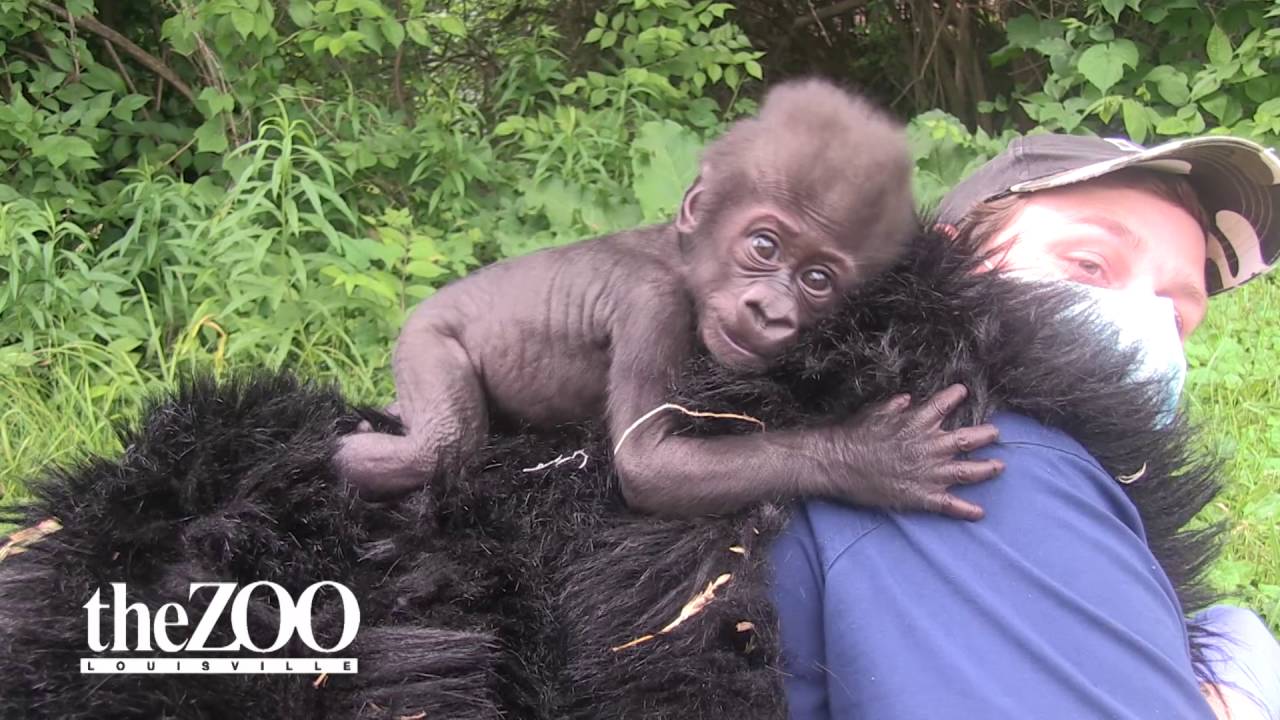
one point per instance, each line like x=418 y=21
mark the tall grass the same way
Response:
x=1233 y=388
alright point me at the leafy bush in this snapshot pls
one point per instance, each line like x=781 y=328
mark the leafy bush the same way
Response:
x=1151 y=68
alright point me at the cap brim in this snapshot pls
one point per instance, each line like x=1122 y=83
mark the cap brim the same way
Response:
x=1238 y=183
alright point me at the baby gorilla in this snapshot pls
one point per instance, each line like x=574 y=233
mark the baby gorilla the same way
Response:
x=790 y=210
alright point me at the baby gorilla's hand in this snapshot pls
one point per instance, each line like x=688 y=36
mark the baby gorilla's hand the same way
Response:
x=898 y=457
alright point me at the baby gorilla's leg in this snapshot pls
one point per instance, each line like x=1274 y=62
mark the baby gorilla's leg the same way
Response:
x=441 y=404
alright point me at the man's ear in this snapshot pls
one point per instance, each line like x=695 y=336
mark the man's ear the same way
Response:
x=690 y=207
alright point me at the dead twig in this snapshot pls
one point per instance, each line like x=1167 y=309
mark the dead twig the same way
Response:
x=821 y=28
x=691 y=608
x=19 y=540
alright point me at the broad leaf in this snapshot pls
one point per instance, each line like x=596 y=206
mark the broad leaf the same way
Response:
x=1135 y=120
x=210 y=137
x=664 y=162
x=1218 y=46
x=452 y=25
x=1101 y=67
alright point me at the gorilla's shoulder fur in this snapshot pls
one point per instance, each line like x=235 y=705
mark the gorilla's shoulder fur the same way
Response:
x=506 y=591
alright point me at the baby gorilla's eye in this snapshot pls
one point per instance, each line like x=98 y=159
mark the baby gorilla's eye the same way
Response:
x=819 y=281
x=764 y=245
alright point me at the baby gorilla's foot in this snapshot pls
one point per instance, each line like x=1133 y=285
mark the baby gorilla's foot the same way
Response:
x=392 y=410
x=377 y=465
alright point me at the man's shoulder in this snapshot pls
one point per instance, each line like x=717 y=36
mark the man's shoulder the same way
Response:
x=1045 y=471
x=1019 y=430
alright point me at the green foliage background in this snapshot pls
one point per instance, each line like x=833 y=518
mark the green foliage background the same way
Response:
x=216 y=183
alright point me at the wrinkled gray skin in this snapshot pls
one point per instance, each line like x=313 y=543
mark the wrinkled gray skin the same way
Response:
x=599 y=329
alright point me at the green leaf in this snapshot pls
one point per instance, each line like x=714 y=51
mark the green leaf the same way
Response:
x=301 y=13
x=1125 y=51
x=127 y=106
x=1023 y=31
x=210 y=137
x=1135 y=120
x=608 y=39
x=120 y=149
x=1171 y=126
x=664 y=160
x=1206 y=83
x=418 y=32
x=1218 y=46
x=243 y=21
x=753 y=69
x=731 y=76
x=369 y=33
x=1114 y=7
x=593 y=35
x=58 y=149
x=216 y=101
x=393 y=32
x=1155 y=14
x=1100 y=67
x=1268 y=110
x=1171 y=84
x=452 y=25
x=1215 y=104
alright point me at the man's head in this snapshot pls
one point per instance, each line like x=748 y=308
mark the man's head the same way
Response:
x=1181 y=221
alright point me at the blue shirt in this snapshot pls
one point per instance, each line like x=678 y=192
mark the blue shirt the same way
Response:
x=1052 y=606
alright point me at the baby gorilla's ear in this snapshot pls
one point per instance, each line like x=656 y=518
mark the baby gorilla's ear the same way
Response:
x=690 y=207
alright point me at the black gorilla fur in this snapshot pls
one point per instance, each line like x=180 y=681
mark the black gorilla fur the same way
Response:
x=501 y=592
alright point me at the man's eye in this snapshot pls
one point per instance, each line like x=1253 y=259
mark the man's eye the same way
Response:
x=1089 y=267
x=764 y=246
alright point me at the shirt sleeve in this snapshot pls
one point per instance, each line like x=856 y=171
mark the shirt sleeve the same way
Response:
x=1052 y=606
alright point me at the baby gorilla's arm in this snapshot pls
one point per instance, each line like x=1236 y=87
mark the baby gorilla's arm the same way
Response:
x=891 y=456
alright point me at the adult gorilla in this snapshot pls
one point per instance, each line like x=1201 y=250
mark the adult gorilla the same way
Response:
x=512 y=592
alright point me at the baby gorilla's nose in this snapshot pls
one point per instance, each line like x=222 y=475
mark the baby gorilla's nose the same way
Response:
x=771 y=316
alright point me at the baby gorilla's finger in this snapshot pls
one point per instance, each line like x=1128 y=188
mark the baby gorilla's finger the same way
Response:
x=970 y=438
x=947 y=504
x=968 y=472
x=933 y=411
x=894 y=405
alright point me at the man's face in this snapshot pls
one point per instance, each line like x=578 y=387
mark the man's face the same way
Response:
x=1118 y=238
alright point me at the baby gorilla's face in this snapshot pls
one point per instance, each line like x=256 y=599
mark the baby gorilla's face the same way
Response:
x=762 y=274
x=1119 y=238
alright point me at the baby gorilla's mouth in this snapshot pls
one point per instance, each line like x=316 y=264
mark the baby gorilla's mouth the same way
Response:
x=737 y=345
x=731 y=352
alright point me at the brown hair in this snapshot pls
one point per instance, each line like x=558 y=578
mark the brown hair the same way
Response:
x=990 y=217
